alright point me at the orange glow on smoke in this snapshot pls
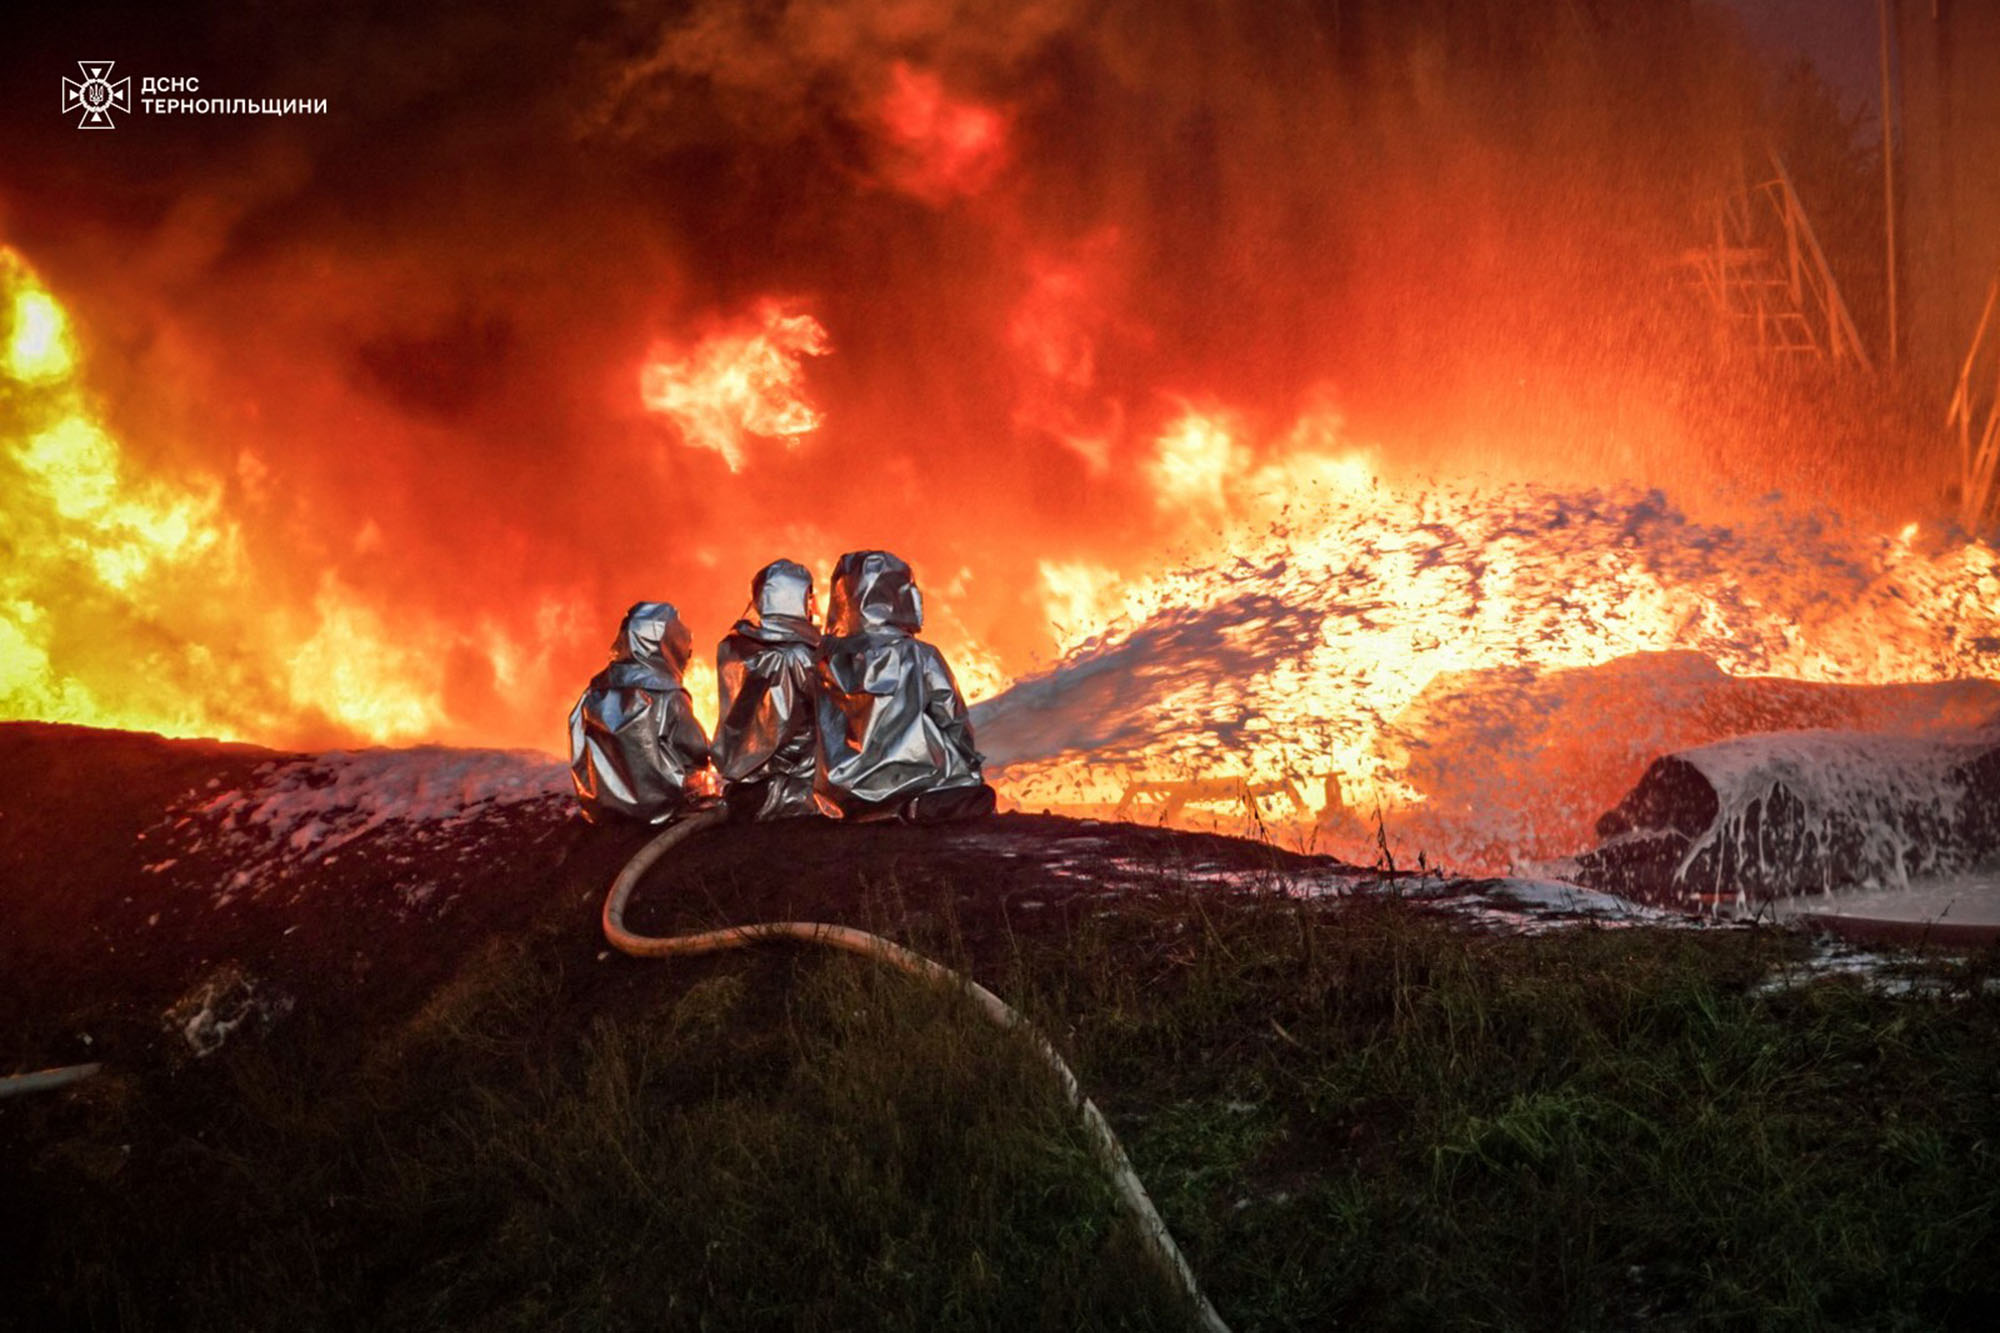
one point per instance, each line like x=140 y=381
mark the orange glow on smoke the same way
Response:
x=1054 y=330
x=941 y=148
x=743 y=381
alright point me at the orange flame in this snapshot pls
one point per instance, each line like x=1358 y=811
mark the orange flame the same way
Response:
x=1404 y=586
x=133 y=601
x=742 y=381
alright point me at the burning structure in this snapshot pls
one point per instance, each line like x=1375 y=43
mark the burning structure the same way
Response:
x=1301 y=400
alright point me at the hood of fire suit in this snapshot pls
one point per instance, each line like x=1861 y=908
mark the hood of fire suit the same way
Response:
x=781 y=606
x=873 y=590
x=891 y=723
x=767 y=682
x=634 y=740
x=652 y=640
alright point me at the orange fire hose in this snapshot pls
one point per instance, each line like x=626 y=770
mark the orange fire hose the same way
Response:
x=1103 y=1142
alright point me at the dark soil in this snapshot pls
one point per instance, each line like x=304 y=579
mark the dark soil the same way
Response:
x=98 y=943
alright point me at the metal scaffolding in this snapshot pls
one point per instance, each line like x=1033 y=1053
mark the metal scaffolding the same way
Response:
x=1767 y=278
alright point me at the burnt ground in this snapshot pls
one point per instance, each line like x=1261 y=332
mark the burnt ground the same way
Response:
x=126 y=908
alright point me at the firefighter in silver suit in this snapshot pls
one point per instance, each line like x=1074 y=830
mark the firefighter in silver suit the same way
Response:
x=894 y=739
x=636 y=749
x=767 y=676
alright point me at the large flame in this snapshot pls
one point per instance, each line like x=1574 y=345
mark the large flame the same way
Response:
x=1253 y=385
x=89 y=546
x=134 y=601
x=741 y=381
x=1298 y=650
x=1312 y=601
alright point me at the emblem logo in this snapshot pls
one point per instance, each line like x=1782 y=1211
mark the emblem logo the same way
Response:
x=97 y=96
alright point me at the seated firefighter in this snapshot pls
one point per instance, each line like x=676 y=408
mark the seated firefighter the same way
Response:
x=894 y=739
x=635 y=746
x=767 y=674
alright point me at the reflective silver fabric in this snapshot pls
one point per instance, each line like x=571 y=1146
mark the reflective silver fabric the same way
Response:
x=767 y=677
x=892 y=725
x=633 y=738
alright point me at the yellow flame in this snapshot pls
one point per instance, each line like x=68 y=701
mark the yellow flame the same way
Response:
x=38 y=342
x=748 y=380
x=126 y=600
x=1410 y=583
x=1081 y=598
x=359 y=673
x=978 y=670
x=124 y=530
x=27 y=686
x=86 y=541
x=699 y=680
x=1194 y=460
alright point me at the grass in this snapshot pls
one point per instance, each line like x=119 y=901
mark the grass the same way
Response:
x=1361 y=1116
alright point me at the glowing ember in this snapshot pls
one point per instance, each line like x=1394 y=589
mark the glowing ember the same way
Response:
x=743 y=381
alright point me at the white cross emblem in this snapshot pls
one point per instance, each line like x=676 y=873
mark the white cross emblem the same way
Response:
x=97 y=96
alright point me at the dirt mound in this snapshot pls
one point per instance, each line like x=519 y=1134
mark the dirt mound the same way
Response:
x=163 y=897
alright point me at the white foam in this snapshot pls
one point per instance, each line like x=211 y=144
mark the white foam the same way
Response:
x=1882 y=810
x=300 y=811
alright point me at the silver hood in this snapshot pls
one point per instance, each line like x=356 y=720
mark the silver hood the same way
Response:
x=767 y=680
x=633 y=738
x=873 y=590
x=892 y=724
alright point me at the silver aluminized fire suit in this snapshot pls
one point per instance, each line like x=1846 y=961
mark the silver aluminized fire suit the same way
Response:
x=767 y=674
x=894 y=738
x=633 y=739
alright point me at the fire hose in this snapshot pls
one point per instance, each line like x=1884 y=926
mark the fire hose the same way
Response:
x=1104 y=1144
x=44 y=1080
